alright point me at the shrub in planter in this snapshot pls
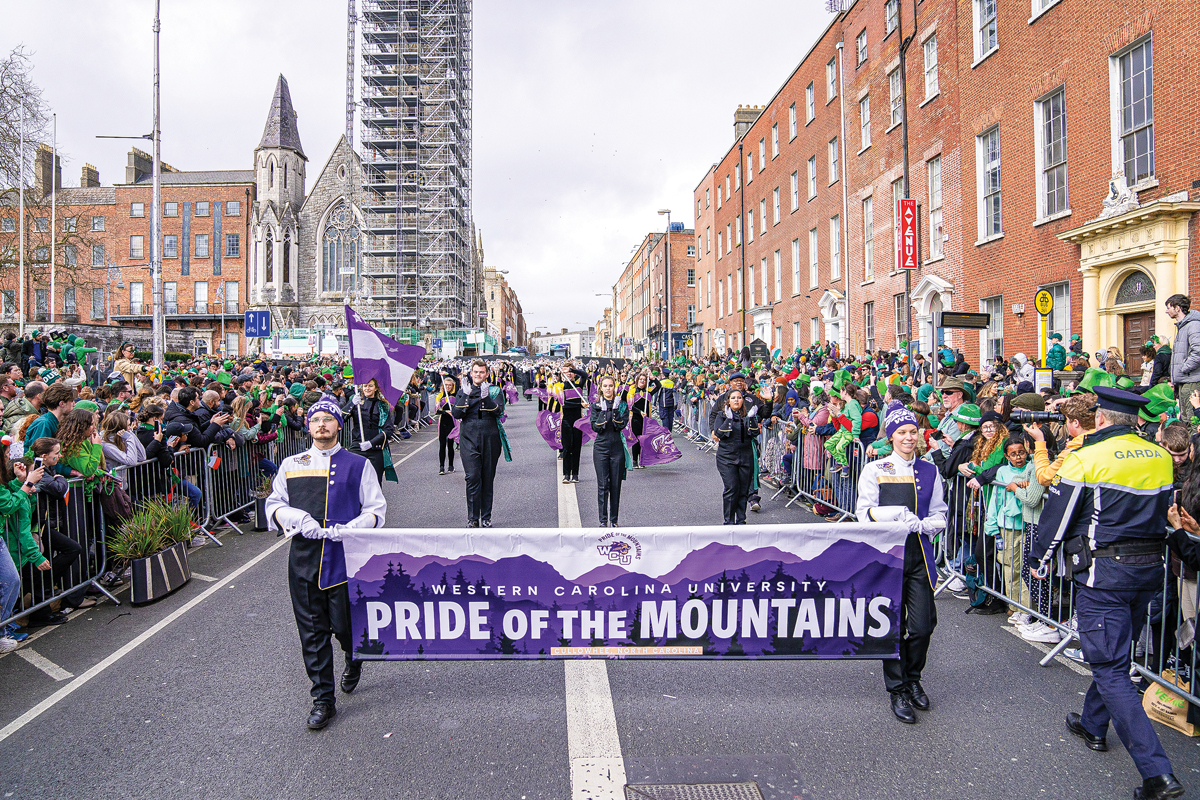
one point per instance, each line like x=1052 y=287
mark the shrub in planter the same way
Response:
x=261 y=523
x=148 y=542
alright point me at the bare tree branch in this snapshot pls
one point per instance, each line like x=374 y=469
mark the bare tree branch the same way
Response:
x=20 y=99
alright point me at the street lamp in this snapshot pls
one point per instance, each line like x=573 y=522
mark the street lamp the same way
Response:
x=667 y=212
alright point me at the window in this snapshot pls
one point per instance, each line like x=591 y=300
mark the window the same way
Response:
x=810 y=104
x=41 y=254
x=749 y=168
x=812 y=177
x=170 y=209
x=719 y=253
x=98 y=303
x=897 y=104
x=231 y=344
x=202 y=209
x=750 y=225
x=232 y=297
x=201 y=245
x=833 y=160
x=69 y=306
x=765 y=282
x=994 y=335
x=137 y=209
x=720 y=299
x=708 y=289
x=901 y=317
x=287 y=255
x=1060 y=317
x=740 y=284
x=795 y=266
x=97 y=223
x=69 y=224
x=869 y=324
x=814 y=329
x=698 y=208
x=97 y=255
x=70 y=255
x=795 y=335
x=1136 y=130
x=170 y=246
x=727 y=193
x=200 y=294
x=775 y=140
x=39 y=303
x=791 y=121
x=835 y=248
x=931 y=66
x=864 y=121
x=1051 y=154
x=750 y=283
x=691 y=314
x=831 y=79
x=135 y=298
x=775 y=204
x=691 y=275
x=9 y=299
x=729 y=236
x=707 y=197
x=233 y=208
x=691 y=251
x=170 y=298
x=8 y=225
x=708 y=240
x=935 y=207
x=778 y=276
x=988 y=148
x=812 y=258
x=795 y=190
x=762 y=154
x=233 y=245
x=136 y=246
x=762 y=215
x=985 y=27
x=718 y=198
x=41 y=224
x=860 y=46
x=868 y=205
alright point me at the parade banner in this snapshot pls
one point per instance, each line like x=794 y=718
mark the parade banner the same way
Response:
x=761 y=591
x=549 y=425
x=658 y=446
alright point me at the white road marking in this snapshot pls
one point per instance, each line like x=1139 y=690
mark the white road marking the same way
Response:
x=44 y=664
x=204 y=578
x=413 y=453
x=593 y=745
x=54 y=699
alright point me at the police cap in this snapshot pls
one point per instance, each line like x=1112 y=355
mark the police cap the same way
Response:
x=1119 y=400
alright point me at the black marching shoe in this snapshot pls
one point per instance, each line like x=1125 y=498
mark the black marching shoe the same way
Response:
x=474 y=523
x=322 y=712
x=351 y=675
x=916 y=694
x=614 y=524
x=1159 y=788
x=487 y=523
x=1075 y=726
x=902 y=708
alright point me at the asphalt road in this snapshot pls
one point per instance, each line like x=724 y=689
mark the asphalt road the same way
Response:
x=203 y=694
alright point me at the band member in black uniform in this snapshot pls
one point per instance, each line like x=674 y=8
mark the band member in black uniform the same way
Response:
x=315 y=496
x=640 y=408
x=737 y=381
x=370 y=424
x=479 y=407
x=610 y=415
x=443 y=405
x=575 y=391
x=736 y=431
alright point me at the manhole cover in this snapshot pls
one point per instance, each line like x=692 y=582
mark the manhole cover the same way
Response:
x=694 y=791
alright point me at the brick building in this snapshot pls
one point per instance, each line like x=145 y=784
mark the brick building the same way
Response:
x=642 y=300
x=505 y=320
x=1008 y=202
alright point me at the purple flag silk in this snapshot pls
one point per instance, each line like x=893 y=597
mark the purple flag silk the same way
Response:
x=585 y=427
x=374 y=355
x=549 y=425
x=658 y=446
x=445 y=403
x=594 y=393
x=511 y=391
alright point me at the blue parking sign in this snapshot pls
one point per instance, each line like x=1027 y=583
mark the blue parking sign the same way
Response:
x=258 y=324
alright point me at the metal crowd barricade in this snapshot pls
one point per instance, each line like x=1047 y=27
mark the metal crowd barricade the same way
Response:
x=232 y=480
x=70 y=533
x=1166 y=651
x=826 y=476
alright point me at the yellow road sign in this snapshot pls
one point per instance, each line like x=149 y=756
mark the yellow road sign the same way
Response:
x=1043 y=301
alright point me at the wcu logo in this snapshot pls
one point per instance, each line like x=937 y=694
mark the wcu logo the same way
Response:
x=617 y=551
x=553 y=422
x=663 y=443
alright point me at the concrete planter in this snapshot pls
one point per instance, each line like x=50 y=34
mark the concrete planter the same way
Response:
x=160 y=574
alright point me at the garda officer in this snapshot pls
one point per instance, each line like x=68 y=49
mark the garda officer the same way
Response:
x=1107 y=510
x=317 y=494
x=906 y=489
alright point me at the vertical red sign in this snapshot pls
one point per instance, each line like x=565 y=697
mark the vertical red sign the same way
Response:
x=907 y=215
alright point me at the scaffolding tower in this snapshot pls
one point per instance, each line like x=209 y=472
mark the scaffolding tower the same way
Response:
x=415 y=116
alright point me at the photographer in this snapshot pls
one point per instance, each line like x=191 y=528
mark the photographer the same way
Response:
x=1079 y=413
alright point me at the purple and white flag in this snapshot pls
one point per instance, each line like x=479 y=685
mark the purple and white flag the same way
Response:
x=511 y=391
x=584 y=424
x=549 y=425
x=374 y=355
x=658 y=446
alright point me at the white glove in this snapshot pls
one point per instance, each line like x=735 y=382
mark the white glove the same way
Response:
x=335 y=533
x=309 y=528
x=753 y=411
x=357 y=399
x=364 y=445
x=728 y=412
x=603 y=404
x=484 y=389
x=911 y=520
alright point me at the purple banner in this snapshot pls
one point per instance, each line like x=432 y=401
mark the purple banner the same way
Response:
x=764 y=591
x=584 y=424
x=549 y=425
x=658 y=446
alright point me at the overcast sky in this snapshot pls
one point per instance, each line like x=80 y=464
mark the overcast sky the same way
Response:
x=589 y=115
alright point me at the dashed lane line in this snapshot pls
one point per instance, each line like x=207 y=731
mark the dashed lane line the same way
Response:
x=44 y=664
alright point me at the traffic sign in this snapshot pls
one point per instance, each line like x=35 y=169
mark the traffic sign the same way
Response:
x=1043 y=301
x=258 y=324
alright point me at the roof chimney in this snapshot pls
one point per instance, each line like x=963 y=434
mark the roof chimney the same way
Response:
x=90 y=178
x=743 y=118
x=42 y=170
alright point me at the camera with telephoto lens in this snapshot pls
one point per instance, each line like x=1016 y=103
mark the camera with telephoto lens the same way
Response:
x=1026 y=417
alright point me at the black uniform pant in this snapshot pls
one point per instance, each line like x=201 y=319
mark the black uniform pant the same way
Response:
x=918 y=618
x=609 y=467
x=320 y=612
x=375 y=456
x=445 y=443
x=572 y=441
x=480 y=452
x=736 y=474
x=636 y=424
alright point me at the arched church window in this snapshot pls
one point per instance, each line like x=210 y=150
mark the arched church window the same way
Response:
x=285 y=171
x=1136 y=288
x=271 y=176
x=270 y=258
x=287 y=251
x=341 y=251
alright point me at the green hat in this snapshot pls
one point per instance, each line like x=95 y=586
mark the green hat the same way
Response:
x=1161 y=398
x=1125 y=382
x=803 y=380
x=924 y=392
x=35 y=334
x=227 y=365
x=840 y=379
x=347 y=371
x=1076 y=336
x=1057 y=336
x=968 y=414
x=87 y=405
x=225 y=378
x=1096 y=377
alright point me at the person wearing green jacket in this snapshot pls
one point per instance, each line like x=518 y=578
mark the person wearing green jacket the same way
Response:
x=17 y=487
x=82 y=449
